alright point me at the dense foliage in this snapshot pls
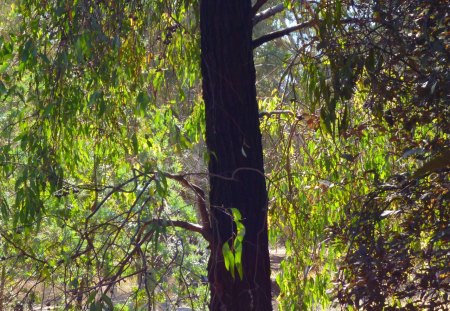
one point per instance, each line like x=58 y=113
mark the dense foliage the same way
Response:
x=85 y=194
x=378 y=73
x=102 y=153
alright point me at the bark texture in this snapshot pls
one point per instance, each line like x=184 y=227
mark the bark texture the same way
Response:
x=236 y=160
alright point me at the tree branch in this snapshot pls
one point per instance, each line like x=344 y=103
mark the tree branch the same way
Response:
x=268 y=13
x=257 y=6
x=201 y=199
x=23 y=252
x=119 y=188
x=141 y=240
x=280 y=33
x=180 y=224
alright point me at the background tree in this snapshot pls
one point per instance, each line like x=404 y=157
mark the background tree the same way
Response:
x=81 y=50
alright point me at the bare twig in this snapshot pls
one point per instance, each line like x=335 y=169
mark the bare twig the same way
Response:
x=280 y=33
x=268 y=13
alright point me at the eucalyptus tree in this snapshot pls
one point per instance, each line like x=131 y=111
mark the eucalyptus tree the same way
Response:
x=366 y=148
x=91 y=91
x=102 y=115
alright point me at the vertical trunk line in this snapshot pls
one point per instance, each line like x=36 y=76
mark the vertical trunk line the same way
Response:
x=236 y=165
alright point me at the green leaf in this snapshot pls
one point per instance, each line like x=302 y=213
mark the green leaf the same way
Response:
x=91 y=297
x=239 y=266
x=143 y=101
x=95 y=306
x=135 y=143
x=228 y=258
x=108 y=302
x=236 y=214
x=343 y=124
x=325 y=120
x=161 y=184
x=4 y=208
x=2 y=88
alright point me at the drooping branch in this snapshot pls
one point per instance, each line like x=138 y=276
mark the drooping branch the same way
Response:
x=280 y=33
x=125 y=261
x=257 y=6
x=268 y=13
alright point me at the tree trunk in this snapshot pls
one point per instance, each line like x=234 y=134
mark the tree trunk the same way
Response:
x=236 y=167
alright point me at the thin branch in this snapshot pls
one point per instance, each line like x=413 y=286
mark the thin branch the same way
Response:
x=281 y=33
x=257 y=6
x=201 y=198
x=21 y=249
x=139 y=241
x=118 y=188
x=268 y=13
x=179 y=224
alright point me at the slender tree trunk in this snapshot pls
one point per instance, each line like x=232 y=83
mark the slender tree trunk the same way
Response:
x=236 y=160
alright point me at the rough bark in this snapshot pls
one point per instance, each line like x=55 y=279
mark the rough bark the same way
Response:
x=236 y=161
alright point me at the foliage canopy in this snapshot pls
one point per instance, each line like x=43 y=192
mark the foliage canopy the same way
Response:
x=102 y=152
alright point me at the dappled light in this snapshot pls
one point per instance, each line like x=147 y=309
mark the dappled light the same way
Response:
x=224 y=155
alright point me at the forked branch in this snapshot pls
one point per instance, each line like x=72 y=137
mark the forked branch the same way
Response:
x=201 y=202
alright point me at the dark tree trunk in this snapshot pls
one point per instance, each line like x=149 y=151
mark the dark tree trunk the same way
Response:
x=236 y=160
